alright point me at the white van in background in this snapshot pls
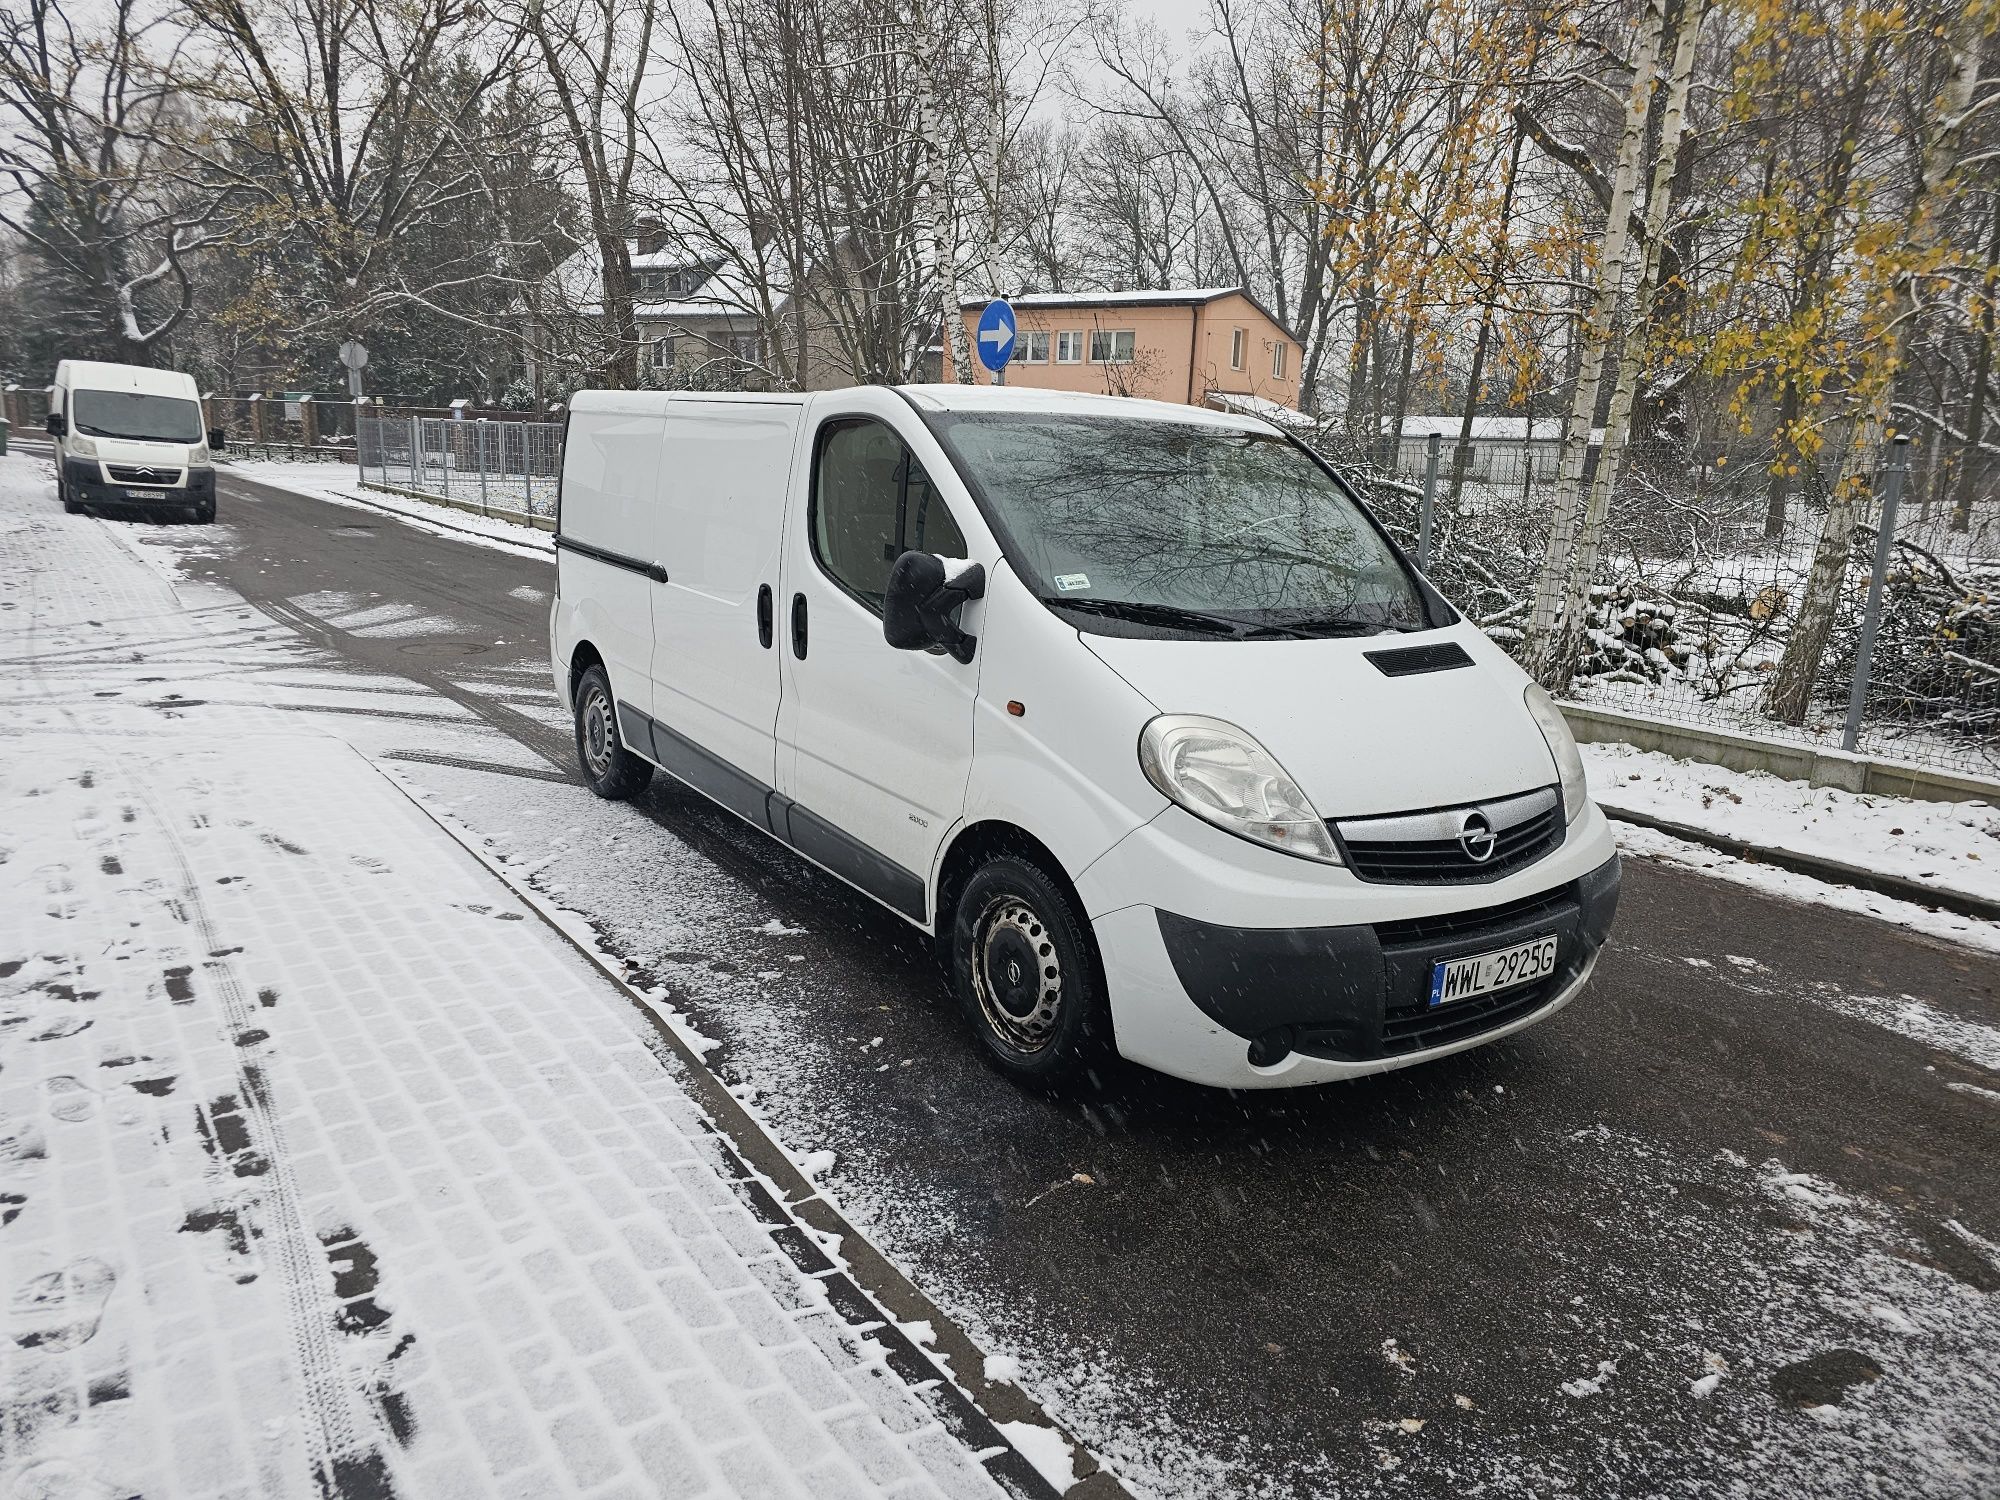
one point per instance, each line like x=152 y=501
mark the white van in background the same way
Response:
x=1133 y=707
x=131 y=438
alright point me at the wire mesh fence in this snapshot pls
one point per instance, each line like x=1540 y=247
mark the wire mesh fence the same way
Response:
x=1703 y=574
x=499 y=467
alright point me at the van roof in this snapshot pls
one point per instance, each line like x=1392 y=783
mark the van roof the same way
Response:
x=1024 y=399
x=100 y=375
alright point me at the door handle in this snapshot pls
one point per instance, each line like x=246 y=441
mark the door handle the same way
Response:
x=657 y=572
x=764 y=616
x=799 y=626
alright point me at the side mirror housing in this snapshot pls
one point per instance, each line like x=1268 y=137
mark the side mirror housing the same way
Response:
x=218 y=439
x=921 y=599
x=58 y=424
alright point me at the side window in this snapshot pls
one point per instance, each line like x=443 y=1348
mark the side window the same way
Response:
x=872 y=502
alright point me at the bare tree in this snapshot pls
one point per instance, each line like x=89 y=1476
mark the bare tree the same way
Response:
x=90 y=153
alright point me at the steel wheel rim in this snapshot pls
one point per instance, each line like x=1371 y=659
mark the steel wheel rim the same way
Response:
x=1016 y=973
x=596 y=736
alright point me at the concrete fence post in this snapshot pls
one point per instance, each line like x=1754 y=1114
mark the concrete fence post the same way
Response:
x=1871 y=618
x=308 y=421
x=416 y=453
x=256 y=404
x=1428 y=507
x=479 y=443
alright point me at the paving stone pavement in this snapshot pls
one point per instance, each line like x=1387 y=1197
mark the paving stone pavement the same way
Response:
x=325 y=1169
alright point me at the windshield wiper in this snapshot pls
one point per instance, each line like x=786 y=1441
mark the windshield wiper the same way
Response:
x=1173 y=617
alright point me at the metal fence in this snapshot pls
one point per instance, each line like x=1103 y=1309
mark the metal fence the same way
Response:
x=502 y=468
x=1702 y=575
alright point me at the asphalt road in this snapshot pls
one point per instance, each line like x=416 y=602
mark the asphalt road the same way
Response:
x=1762 y=1147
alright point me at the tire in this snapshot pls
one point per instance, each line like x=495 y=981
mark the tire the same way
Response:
x=204 y=515
x=1026 y=975
x=71 y=507
x=610 y=770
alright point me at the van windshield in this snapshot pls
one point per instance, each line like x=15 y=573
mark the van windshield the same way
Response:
x=1130 y=526
x=127 y=414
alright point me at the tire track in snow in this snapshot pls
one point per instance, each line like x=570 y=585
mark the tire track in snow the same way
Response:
x=343 y=1446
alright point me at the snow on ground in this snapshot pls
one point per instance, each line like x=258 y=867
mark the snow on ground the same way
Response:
x=1952 y=845
x=325 y=1169
x=341 y=484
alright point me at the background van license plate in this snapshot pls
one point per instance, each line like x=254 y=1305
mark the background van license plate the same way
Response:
x=145 y=494
x=1483 y=973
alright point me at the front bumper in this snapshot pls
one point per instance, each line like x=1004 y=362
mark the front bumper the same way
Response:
x=1230 y=1000
x=86 y=482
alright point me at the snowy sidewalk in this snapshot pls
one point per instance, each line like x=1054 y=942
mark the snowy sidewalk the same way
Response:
x=325 y=1168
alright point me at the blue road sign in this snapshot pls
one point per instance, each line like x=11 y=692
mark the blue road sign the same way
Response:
x=995 y=340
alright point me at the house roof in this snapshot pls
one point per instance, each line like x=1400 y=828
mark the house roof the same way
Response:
x=1484 y=429
x=1153 y=297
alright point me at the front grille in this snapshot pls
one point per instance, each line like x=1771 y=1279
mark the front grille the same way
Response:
x=143 y=475
x=1413 y=1030
x=1450 y=926
x=1523 y=828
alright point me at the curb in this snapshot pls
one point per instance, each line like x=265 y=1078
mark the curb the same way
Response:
x=1833 y=871
x=871 y=1293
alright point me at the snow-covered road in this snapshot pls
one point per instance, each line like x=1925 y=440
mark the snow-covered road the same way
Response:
x=1727 y=1226
x=325 y=1168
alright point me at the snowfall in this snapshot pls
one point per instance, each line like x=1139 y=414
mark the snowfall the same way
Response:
x=332 y=1163
x=327 y=1167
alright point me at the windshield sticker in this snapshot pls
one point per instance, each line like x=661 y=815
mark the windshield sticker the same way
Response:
x=1072 y=583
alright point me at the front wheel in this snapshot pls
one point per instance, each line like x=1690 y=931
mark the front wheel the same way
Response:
x=71 y=506
x=1026 y=976
x=612 y=771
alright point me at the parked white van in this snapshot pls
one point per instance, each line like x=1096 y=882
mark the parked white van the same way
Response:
x=131 y=438
x=1133 y=707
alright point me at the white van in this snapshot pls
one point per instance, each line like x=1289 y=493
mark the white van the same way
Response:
x=1133 y=707
x=131 y=438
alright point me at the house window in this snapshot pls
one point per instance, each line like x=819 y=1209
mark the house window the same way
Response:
x=1069 y=347
x=1108 y=347
x=1278 y=360
x=652 y=283
x=663 y=354
x=1236 y=342
x=686 y=282
x=1033 y=349
x=747 y=347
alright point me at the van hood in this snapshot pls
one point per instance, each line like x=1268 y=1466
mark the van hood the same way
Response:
x=1357 y=741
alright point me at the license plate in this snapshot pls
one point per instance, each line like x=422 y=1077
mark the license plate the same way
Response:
x=1457 y=979
x=145 y=494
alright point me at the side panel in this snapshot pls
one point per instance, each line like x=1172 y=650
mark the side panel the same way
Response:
x=611 y=466
x=724 y=472
x=1066 y=768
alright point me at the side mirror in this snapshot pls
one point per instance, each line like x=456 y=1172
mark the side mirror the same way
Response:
x=58 y=424
x=923 y=595
x=218 y=439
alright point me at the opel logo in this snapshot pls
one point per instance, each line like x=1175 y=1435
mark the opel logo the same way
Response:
x=1475 y=837
x=1013 y=971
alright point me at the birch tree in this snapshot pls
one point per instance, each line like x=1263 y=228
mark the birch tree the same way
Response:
x=1558 y=557
x=1569 y=631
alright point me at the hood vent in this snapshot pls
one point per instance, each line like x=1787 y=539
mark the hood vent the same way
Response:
x=1408 y=661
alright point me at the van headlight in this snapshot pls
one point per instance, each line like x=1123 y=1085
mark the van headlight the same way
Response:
x=1562 y=745
x=1224 y=777
x=80 y=446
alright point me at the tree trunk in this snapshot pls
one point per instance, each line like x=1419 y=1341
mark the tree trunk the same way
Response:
x=1461 y=453
x=1982 y=377
x=1568 y=642
x=1594 y=344
x=1791 y=688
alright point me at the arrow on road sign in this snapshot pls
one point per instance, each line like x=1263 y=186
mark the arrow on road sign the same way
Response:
x=996 y=335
